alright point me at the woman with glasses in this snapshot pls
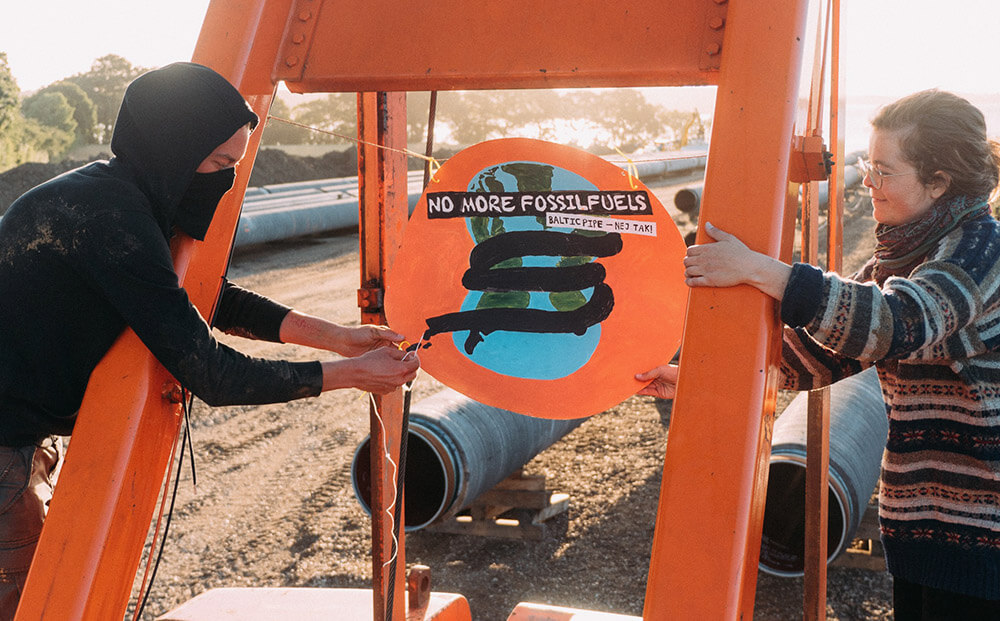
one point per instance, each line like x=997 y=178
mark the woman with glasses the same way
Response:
x=925 y=311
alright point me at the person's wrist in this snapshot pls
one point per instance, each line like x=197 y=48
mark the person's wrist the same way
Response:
x=339 y=374
x=769 y=275
x=759 y=269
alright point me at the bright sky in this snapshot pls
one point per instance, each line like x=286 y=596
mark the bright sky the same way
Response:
x=892 y=47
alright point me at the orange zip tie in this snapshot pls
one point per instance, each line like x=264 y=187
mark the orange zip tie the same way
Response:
x=633 y=172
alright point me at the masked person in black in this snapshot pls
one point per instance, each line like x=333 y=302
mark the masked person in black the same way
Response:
x=87 y=254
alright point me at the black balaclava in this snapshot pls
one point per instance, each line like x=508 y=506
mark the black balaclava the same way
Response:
x=170 y=120
x=197 y=206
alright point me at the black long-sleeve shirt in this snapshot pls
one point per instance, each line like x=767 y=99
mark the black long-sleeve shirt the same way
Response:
x=87 y=254
x=72 y=280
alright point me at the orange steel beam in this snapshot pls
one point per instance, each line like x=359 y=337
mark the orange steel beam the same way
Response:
x=359 y=45
x=100 y=513
x=707 y=539
x=838 y=128
x=818 y=412
x=383 y=209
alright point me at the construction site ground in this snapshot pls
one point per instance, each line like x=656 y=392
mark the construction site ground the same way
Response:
x=274 y=504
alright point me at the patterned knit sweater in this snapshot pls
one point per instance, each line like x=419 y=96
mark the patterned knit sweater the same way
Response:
x=935 y=340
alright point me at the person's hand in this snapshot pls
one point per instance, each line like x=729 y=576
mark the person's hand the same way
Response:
x=727 y=262
x=379 y=371
x=723 y=263
x=361 y=339
x=662 y=381
x=302 y=329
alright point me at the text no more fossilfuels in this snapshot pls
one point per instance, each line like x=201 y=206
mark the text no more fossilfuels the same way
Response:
x=469 y=204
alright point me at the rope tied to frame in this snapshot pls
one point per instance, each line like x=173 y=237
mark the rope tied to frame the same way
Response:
x=435 y=165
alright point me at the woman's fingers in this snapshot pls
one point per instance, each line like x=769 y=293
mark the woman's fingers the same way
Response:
x=716 y=233
x=717 y=264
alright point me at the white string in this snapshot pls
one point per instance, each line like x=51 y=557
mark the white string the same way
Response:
x=395 y=491
x=395 y=469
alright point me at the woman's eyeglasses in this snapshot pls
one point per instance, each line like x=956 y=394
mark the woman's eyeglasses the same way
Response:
x=876 y=175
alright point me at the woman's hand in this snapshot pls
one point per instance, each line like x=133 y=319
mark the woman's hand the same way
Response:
x=722 y=263
x=379 y=371
x=301 y=329
x=366 y=338
x=727 y=262
x=662 y=381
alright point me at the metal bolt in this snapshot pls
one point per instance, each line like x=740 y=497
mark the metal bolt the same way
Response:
x=713 y=49
x=305 y=15
x=370 y=297
x=716 y=23
x=291 y=61
x=365 y=298
x=298 y=38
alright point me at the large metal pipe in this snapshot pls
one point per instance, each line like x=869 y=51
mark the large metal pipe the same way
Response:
x=458 y=449
x=286 y=213
x=858 y=429
x=659 y=167
x=288 y=210
x=688 y=199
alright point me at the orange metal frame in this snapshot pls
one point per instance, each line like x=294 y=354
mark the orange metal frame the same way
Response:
x=707 y=537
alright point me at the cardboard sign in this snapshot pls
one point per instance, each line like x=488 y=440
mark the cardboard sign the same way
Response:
x=538 y=278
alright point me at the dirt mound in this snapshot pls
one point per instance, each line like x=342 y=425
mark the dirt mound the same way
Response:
x=271 y=166
x=276 y=166
x=19 y=180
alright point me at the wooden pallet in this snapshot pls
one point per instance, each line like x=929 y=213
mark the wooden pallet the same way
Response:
x=865 y=551
x=516 y=508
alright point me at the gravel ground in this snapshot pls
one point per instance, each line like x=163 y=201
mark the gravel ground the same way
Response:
x=274 y=505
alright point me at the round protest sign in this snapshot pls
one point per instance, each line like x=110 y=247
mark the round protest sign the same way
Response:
x=538 y=278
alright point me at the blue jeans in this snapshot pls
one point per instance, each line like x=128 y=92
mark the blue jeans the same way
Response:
x=915 y=602
x=27 y=476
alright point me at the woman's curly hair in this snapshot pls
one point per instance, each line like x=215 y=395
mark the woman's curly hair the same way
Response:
x=942 y=132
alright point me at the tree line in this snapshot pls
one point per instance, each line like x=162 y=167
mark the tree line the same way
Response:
x=75 y=111
x=81 y=109
x=613 y=118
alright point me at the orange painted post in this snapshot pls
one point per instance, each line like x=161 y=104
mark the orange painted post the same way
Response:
x=818 y=433
x=101 y=510
x=707 y=539
x=383 y=211
x=838 y=127
x=817 y=448
x=818 y=410
x=817 y=504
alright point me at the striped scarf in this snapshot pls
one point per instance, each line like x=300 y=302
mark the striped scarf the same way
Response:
x=902 y=247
